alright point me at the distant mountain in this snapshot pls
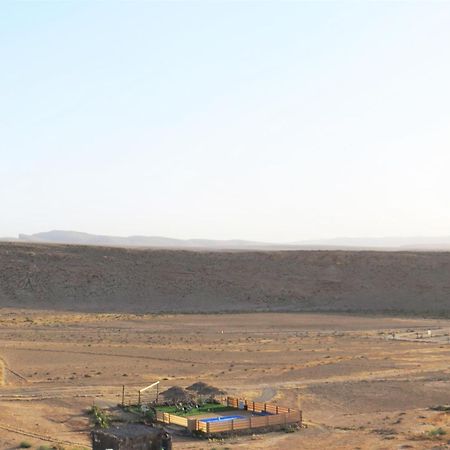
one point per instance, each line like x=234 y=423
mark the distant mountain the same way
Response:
x=393 y=242
x=78 y=238
x=370 y=243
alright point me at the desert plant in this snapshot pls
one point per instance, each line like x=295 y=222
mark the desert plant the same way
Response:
x=99 y=416
x=437 y=432
x=25 y=444
x=150 y=415
x=445 y=408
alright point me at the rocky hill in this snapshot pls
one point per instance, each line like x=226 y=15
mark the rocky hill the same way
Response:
x=88 y=278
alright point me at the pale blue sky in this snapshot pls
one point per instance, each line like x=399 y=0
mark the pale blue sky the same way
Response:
x=271 y=121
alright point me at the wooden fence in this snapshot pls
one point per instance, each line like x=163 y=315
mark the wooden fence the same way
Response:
x=254 y=406
x=171 y=419
x=250 y=422
x=276 y=415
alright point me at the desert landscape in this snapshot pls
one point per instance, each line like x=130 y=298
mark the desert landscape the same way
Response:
x=224 y=225
x=79 y=323
x=357 y=386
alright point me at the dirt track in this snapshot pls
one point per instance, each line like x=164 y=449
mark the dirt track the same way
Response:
x=74 y=278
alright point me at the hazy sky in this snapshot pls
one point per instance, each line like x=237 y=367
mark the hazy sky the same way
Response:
x=270 y=121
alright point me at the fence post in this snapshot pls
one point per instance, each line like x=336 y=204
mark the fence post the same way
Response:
x=232 y=424
x=139 y=397
x=123 y=395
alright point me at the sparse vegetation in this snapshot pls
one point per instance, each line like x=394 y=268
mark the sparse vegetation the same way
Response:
x=436 y=432
x=100 y=417
x=444 y=408
x=25 y=444
x=433 y=434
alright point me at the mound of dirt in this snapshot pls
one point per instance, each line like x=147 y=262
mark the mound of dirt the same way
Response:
x=104 y=279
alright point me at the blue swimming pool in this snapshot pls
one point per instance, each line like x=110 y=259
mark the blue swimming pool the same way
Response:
x=221 y=419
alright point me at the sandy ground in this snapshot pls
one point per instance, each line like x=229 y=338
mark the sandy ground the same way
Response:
x=358 y=387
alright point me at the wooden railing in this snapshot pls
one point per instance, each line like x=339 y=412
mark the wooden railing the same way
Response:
x=254 y=406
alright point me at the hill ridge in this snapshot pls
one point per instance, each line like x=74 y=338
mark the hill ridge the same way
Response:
x=113 y=279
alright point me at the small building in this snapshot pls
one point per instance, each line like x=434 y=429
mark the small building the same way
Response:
x=131 y=437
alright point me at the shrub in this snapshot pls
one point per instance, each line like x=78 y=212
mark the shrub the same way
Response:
x=99 y=416
x=25 y=444
x=150 y=415
x=436 y=432
x=445 y=408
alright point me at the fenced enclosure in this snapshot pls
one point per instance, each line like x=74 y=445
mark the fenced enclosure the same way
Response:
x=257 y=415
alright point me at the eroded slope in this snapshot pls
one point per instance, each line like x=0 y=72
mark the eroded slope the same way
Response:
x=64 y=277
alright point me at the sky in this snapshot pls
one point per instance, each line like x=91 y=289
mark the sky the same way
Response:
x=273 y=121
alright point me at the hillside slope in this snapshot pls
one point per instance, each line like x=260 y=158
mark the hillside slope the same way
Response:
x=63 y=277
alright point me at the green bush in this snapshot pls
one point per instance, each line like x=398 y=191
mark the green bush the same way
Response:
x=25 y=444
x=150 y=415
x=99 y=416
x=436 y=432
